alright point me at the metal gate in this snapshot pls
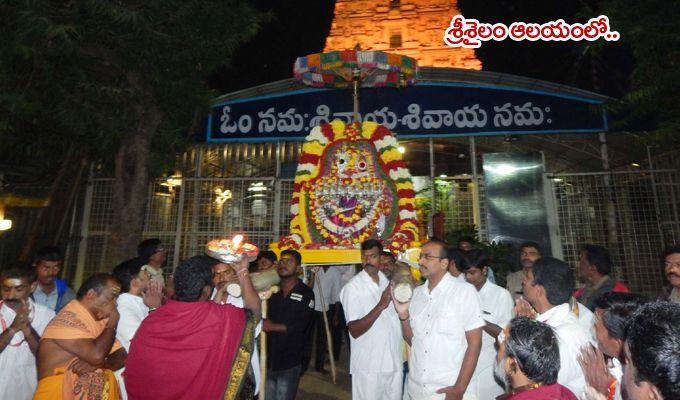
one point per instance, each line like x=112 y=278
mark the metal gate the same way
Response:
x=633 y=214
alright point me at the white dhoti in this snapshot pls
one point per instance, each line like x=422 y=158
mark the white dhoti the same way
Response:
x=377 y=386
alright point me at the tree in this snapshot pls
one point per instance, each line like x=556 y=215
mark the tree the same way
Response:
x=652 y=104
x=112 y=81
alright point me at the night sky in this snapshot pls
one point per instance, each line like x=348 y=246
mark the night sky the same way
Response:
x=300 y=27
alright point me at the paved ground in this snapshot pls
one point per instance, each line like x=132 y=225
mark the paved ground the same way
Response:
x=315 y=386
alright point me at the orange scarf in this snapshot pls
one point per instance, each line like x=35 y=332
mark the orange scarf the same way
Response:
x=75 y=322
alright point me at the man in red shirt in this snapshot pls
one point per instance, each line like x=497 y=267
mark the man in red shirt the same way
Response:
x=594 y=267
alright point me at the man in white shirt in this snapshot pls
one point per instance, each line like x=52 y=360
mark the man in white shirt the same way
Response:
x=329 y=281
x=376 y=363
x=22 y=321
x=443 y=324
x=548 y=287
x=139 y=295
x=496 y=305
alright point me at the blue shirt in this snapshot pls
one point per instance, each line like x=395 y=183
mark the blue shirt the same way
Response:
x=50 y=300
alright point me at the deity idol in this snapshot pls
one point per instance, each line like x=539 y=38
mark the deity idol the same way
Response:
x=351 y=185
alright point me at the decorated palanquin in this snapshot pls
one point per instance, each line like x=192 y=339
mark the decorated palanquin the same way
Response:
x=351 y=185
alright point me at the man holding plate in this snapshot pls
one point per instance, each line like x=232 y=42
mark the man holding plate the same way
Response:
x=208 y=345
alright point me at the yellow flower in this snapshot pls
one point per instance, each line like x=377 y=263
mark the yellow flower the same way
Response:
x=338 y=128
x=408 y=225
x=390 y=155
x=404 y=186
x=314 y=147
x=367 y=129
x=404 y=201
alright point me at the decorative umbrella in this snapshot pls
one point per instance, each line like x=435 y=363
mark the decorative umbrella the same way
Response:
x=355 y=68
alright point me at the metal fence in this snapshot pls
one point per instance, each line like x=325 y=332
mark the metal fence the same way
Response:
x=633 y=213
x=623 y=212
x=186 y=214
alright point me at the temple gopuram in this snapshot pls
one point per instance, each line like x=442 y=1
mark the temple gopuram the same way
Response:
x=413 y=28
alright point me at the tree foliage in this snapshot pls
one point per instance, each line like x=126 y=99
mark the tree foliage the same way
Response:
x=121 y=82
x=72 y=72
x=650 y=28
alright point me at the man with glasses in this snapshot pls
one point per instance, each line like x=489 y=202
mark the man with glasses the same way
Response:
x=51 y=292
x=152 y=253
x=443 y=324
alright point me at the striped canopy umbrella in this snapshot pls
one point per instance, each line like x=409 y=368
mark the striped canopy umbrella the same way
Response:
x=339 y=69
x=355 y=68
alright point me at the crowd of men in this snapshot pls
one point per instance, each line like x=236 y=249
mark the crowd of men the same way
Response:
x=133 y=334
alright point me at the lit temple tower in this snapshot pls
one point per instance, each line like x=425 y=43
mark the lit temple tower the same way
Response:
x=414 y=28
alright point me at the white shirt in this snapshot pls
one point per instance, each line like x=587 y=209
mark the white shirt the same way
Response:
x=586 y=319
x=616 y=369
x=18 y=374
x=496 y=304
x=132 y=312
x=571 y=336
x=379 y=348
x=347 y=272
x=330 y=286
x=439 y=320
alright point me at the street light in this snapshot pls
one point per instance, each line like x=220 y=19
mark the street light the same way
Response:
x=5 y=224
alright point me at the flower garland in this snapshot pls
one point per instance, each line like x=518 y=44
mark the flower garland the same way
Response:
x=391 y=188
